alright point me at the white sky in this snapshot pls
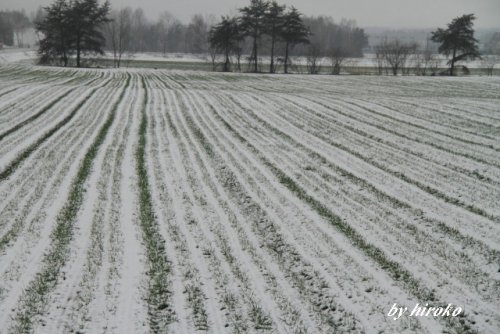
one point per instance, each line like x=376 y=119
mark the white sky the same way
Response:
x=373 y=13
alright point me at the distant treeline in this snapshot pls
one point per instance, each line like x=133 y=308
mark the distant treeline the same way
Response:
x=168 y=34
x=67 y=28
x=13 y=25
x=262 y=35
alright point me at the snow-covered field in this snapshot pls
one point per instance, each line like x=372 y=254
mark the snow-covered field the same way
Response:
x=136 y=201
x=17 y=55
x=9 y=56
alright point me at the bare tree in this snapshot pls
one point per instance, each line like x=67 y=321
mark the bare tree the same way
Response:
x=425 y=61
x=20 y=23
x=138 y=35
x=379 y=59
x=489 y=62
x=119 y=31
x=37 y=17
x=338 y=56
x=314 y=59
x=396 y=54
x=165 y=23
x=197 y=35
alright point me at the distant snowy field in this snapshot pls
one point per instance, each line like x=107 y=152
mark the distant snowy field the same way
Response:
x=136 y=201
x=16 y=55
x=25 y=55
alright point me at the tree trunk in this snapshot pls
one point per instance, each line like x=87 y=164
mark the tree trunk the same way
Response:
x=286 y=58
x=226 y=62
x=453 y=62
x=336 y=69
x=78 y=50
x=271 y=68
x=255 y=66
x=239 y=60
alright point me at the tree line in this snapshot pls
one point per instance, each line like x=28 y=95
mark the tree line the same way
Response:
x=127 y=31
x=278 y=30
x=260 y=18
x=70 y=29
x=456 y=42
x=130 y=32
x=13 y=25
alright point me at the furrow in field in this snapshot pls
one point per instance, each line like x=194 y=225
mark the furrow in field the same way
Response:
x=24 y=206
x=158 y=294
x=304 y=123
x=483 y=155
x=16 y=98
x=249 y=278
x=35 y=116
x=447 y=112
x=127 y=278
x=344 y=121
x=313 y=238
x=290 y=319
x=295 y=144
x=52 y=177
x=174 y=205
x=491 y=172
x=438 y=130
x=393 y=186
x=38 y=290
x=6 y=186
x=393 y=266
x=269 y=226
x=462 y=190
x=465 y=271
x=316 y=186
x=11 y=163
x=456 y=111
x=70 y=301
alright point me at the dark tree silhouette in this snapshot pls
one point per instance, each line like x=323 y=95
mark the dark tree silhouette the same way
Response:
x=252 y=23
x=224 y=37
x=274 y=24
x=457 y=40
x=294 y=32
x=13 y=24
x=87 y=18
x=395 y=54
x=72 y=27
x=56 y=43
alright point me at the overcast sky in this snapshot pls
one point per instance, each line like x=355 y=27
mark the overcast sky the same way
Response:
x=368 y=13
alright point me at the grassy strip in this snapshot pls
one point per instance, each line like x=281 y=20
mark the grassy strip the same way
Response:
x=35 y=295
x=158 y=295
x=395 y=270
x=9 y=91
x=19 y=222
x=441 y=120
x=418 y=140
x=418 y=126
x=38 y=114
x=303 y=278
x=329 y=119
x=430 y=190
x=490 y=254
x=28 y=151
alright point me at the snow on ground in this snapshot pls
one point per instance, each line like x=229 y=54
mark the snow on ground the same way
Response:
x=168 y=201
x=367 y=61
x=16 y=55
